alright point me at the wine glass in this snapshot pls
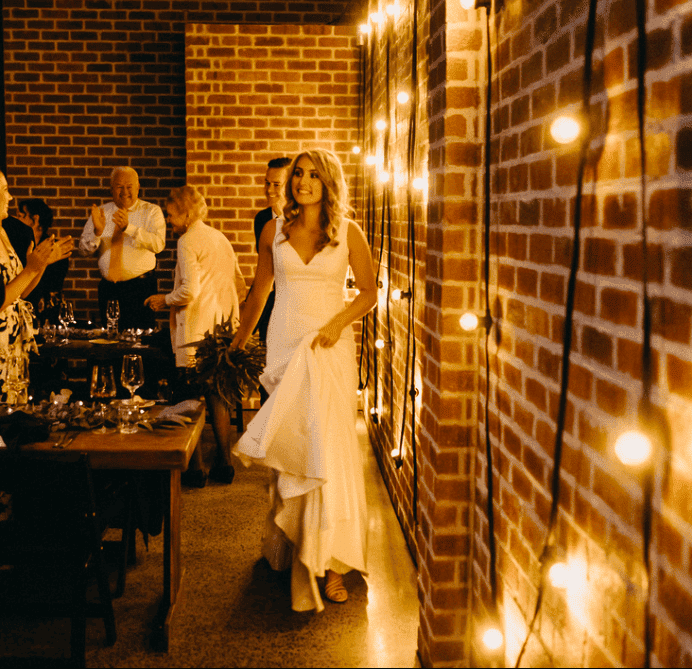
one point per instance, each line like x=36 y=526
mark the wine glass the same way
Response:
x=112 y=315
x=132 y=376
x=70 y=313
x=102 y=388
x=64 y=317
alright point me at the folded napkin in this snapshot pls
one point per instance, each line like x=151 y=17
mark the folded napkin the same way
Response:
x=19 y=428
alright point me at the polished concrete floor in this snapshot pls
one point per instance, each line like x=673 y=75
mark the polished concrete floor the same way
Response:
x=236 y=611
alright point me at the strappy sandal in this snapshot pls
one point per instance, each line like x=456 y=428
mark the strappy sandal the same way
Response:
x=334 y=589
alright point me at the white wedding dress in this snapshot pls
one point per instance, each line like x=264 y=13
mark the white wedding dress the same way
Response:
x=306 y=430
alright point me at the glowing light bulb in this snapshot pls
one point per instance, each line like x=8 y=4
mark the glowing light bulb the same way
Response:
x=365 y=28
x=493 y=638
x=396 y=294
x=468 y=4
x=396 y=453
x=393 y=9
x=383 y=177
x=373 y=411
x=633 y=448
x=468 y=321
x=402 y=97
x=558 y=575
x=359 y=392
x=379 y=344
x=381 y=124
x=377 y=17
x=356 y=150
x=419 y=183
x=371 y=160
x=565 y=129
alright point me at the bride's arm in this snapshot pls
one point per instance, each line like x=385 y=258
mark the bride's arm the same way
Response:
x=360 y=259
x=261 y=287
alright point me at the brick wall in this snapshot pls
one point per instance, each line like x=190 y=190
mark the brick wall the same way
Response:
x=91 y=85
x=538 y=52
x=260 y=92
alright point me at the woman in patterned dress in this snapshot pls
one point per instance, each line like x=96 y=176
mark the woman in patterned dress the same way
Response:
x=16 y=317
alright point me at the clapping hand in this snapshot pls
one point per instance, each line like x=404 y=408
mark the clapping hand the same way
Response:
x=39 y=257
x=99 y=219
x=61 y=248
x=120 y=220
x=156 y=302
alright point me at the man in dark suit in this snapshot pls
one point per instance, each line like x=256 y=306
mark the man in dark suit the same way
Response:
x=274 y=184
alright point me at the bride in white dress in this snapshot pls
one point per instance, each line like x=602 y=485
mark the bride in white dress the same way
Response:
x=306 y=430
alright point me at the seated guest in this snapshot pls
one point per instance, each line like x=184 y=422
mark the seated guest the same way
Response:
x=38 y=216
x=16 y=325
x=127 y=233
x=207 y=283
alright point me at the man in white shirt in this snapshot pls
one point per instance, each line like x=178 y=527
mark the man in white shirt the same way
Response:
x=127 y=233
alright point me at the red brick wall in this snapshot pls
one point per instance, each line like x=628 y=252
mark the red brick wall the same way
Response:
x=91 y=85
x=260 y=92
x=538 y=53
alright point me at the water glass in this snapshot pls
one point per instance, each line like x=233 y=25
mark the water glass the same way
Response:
x=128 y=416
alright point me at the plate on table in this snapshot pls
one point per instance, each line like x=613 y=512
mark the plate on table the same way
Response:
x=139 y=403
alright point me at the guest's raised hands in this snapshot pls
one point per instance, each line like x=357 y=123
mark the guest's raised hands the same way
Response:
x=62 y=248
x=39 y=257
x=120 y=219
x=99 y=219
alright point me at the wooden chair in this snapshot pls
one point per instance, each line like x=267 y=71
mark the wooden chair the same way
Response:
x=53 y=537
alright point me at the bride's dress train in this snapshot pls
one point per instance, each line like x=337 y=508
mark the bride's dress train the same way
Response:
x=306 y=430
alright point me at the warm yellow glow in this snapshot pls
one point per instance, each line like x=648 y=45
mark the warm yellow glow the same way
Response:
x=633 y=448
x=420 y=183
x=371 y=160
x=373 y=411
x=381 y=124
x=396 y=294
x=364 y=28
x=396 y=453
x=359 y=392
x=558 y=575
x=468 y=321
x=383 y=176
x=493 y=638
x=356 y=149
x=565 y=129
x=402 y=97
x=467 y=4
x=393 y=9
x=578 y=591
x=379 y=344
x=377 y=17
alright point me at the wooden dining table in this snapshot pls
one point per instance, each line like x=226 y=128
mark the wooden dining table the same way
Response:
x=166 y=450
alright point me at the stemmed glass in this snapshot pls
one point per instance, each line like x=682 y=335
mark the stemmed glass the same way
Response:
x=102 y=388
x=113 y=314
x=132 y=376
x=65 y=317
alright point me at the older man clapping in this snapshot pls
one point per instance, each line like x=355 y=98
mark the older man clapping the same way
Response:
x=127 y=233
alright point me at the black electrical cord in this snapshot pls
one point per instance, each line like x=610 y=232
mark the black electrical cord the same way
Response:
x=488 y=318
x=647 y=374
x=569 y=308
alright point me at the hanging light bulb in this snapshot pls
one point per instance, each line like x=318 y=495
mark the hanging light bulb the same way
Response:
x=468 y=321
x=356 y=149
x=383 y=176
x=364 y=28
x=371 y=160
x=493 y=638
x=377 y=18
x=396 y=453
x=393 y=9
x=420 y=183
x=396 y=294
x=467 y=4
x=633 y=448
x=565 y=129
x=381 y=124
x=359 y=392
x=402 y=97
x=379 y=344
x=558 y=575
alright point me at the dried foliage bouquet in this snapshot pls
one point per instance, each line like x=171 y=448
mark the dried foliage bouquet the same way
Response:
x=232 y=374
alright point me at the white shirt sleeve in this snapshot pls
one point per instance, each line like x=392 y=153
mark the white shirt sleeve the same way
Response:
x=187 y=275
x=88 y=242
x=151 y=234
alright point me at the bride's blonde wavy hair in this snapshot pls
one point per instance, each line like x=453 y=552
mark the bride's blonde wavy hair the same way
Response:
x=335 y=207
